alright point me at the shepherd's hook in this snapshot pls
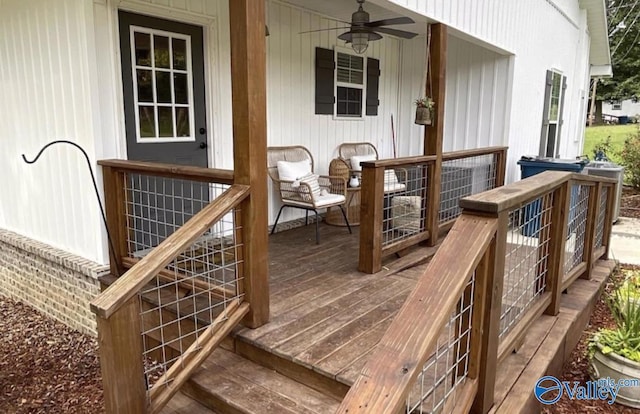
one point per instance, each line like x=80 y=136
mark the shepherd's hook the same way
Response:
x=95 y=186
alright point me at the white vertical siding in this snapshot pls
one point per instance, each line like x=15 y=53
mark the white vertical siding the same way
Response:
x=291 y=93
x=46 y=95
x=477 y=94
x=539 y=35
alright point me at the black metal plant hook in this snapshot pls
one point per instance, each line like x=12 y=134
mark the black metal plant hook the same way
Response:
x=93 y=180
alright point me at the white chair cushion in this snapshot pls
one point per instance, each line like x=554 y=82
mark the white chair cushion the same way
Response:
x=312 y=181
x=328 y=199
x=293 y=170
x=357 y=159
x=391 y=182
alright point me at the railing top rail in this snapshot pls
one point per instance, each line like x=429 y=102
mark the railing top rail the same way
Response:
x=521 y=192
x=453 y=155
x=400 y=162
x=133 y=280
x=584 y=178
x=385 y=381
x=187 y=172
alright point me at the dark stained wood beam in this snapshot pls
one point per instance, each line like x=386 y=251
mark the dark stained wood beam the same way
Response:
x=249 y=94
x=433 y=134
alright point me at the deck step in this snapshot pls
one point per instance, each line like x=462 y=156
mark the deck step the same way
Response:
x=182 y=404
x=229 y=383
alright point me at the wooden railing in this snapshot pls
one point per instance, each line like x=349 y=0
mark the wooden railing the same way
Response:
x=399 y=207
x=178 y=240
x=517 y=241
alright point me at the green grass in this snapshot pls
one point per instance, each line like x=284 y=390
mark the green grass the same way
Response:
x=618 y=133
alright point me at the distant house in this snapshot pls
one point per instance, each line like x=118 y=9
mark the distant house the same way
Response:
x=614 y=109
x=151 y=80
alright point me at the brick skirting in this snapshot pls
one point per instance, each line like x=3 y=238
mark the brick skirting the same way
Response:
x=57 y=283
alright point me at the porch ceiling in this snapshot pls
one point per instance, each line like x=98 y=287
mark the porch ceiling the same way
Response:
x=343 y=9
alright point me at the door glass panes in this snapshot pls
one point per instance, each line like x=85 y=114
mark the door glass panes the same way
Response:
x=165 y=121
x=147 y=121
x=143 y=49
x=162 y=85
x=145 y=88
x=179 y=54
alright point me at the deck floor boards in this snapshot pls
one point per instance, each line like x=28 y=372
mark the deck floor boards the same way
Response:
x=325 y=314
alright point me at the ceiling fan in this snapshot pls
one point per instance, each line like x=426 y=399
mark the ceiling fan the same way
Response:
x=362 y=31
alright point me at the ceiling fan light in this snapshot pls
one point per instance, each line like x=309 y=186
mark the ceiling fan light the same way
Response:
x=359 y=42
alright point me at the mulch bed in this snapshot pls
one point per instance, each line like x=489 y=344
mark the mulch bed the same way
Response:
x=630 y=202
x=576 y=368
x=46 y=367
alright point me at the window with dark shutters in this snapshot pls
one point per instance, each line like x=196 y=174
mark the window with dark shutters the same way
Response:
x=373 y=79
x=552 y=114
x=353 y=96
x=325 y=65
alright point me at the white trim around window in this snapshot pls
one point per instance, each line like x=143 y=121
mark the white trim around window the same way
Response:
x=153 y=102
x=352 y=85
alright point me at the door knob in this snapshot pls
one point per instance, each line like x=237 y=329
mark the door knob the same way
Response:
x=203 y=145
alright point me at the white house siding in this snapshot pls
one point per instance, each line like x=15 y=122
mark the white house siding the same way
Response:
x=477 y=95
x=539 y=35
x=45 y=94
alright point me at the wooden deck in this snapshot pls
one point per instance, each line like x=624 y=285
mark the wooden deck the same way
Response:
x=327 y=316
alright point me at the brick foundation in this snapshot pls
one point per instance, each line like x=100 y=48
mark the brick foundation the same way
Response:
x=57 y=283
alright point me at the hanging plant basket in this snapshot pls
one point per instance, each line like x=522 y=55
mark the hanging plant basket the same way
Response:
x=423 y=116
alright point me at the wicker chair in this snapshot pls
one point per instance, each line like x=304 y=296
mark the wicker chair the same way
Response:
x=302 y=192
x=394 y=179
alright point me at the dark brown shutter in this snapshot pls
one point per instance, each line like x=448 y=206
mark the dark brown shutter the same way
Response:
x=373 y=79
x=325 y=66
x=545 y=113
x=561 y=115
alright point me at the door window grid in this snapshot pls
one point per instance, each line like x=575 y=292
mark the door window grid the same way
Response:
x=173 y=103
x=349 y=85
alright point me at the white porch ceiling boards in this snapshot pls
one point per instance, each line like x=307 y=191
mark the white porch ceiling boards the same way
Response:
x=343 y=9
x=599 y=53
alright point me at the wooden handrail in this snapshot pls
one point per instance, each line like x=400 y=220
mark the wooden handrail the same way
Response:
x=148 y=267
x=385 y=381
x=455 y=155
x=185 y=172
x=519 y=193
x=399 y=162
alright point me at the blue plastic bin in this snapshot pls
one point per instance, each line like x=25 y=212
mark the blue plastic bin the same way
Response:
x=530 y=166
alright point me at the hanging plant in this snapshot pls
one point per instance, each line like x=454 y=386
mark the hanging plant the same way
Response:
x=424 y=110
x=425 y=105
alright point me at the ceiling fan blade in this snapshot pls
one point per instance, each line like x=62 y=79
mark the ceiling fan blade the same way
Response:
x=324 y=30
x=395 y=32
x=390 y=22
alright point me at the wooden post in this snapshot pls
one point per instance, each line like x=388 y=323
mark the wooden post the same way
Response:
x=556 y=248
x=371 y=217
x=501 y=167
x=120 y=344
x=488 y=353
x=248 y=71
x=484 y=273
x=608 y=218
x=590 y=228
x=433 y=135
x=115 y=210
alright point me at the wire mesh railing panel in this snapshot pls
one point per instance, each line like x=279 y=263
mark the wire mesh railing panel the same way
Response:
x=526 y=259
x=577 y=226
x=158 y=206
x=599 y=242
x=438 y=385
x=193 y=292
x=464 y=177
x=405 y=207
